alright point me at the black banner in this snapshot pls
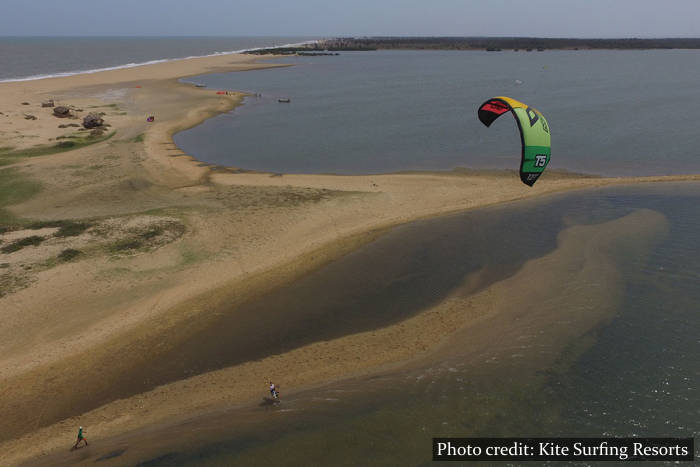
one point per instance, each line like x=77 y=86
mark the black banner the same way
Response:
x=563 y=449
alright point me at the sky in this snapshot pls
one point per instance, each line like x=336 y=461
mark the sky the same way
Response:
x=329 y=18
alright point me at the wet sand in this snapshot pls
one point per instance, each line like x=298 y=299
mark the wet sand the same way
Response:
x=172 y=246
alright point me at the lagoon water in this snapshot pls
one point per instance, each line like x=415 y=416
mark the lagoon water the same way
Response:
x=611 y=112
x=636 y=373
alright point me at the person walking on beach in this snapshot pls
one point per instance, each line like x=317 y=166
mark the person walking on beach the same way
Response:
x=81 y=437
x=273 y=390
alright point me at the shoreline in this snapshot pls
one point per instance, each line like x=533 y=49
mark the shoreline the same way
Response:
x=238 y=226
x=64 y=74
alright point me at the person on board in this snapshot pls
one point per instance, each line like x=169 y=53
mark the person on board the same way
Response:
x=81 y=437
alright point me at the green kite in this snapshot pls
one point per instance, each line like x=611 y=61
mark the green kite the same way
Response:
x=534 y=134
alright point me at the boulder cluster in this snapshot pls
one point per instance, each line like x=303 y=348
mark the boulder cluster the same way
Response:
x=93 y=120
x=61 y=112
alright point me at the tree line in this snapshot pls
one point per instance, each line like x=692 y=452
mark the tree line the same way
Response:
x=499 y=43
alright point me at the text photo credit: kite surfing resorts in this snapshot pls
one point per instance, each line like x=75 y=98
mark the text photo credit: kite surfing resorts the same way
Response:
x=376 y=234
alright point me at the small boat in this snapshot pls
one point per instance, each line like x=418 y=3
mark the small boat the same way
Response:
x=285 y=100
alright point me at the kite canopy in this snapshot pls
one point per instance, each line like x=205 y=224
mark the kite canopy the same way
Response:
x=534 y=134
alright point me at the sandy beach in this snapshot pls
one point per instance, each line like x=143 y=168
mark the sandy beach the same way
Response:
x=115 y=249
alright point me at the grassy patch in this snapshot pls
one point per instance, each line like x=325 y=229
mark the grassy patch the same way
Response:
x=11 y=156
x=10 y=282
x=72 y=229
x=126 y=244
x=148 y=237
x=139 y=138
x=15 y=187
x=21 y=243
x=65 y=228
x=45 y=224
x=152 y=232
x=69 y=254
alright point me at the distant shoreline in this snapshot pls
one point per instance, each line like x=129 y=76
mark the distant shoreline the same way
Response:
x=122 y=66
x=505 y=43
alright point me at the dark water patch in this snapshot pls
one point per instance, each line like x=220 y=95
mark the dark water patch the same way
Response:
x=407 y=270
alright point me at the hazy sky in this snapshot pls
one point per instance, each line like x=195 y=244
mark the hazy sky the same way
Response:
x=553 y=18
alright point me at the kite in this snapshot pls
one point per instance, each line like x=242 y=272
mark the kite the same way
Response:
x=534 y=134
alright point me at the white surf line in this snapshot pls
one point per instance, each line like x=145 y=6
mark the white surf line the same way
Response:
x=150 y=62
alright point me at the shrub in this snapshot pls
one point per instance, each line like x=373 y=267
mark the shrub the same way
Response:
x=69 y=254
x=21 y=243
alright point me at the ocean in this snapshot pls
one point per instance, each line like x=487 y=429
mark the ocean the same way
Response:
x=611 y=112
x=23 y=58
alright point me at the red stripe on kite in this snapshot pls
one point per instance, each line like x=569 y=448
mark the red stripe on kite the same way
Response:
x=496 y=107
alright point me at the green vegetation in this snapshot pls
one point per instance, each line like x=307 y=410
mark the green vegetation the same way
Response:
x=138 y=138
x=138 y=240
x=152 y=232
x=11 y=156
x=125 y=244
x=10 y=282
x=67 y=228
x=151 y=236
x=15 y=187
x=69 y=254
x=21 y=243
x=190 y=256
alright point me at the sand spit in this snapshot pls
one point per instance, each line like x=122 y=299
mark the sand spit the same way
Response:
x=167 y=242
